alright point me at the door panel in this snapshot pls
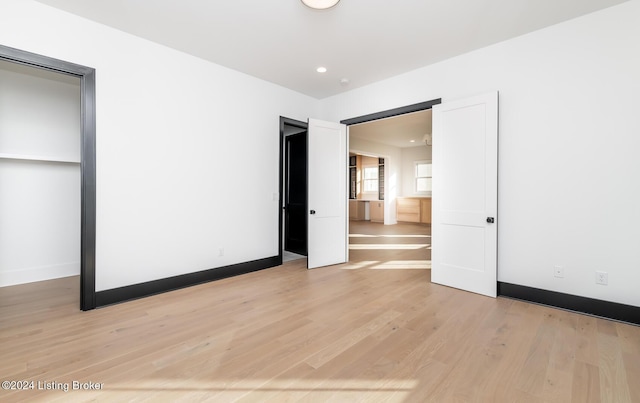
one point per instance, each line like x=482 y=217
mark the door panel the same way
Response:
x=295 y=238
x=465 y=185
x=327 y=200
x=470 y=239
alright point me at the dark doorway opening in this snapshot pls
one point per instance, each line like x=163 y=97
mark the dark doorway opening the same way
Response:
x=292 y=235
x=295 y=194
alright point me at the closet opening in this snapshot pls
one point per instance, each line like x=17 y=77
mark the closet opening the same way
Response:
x=47 y=157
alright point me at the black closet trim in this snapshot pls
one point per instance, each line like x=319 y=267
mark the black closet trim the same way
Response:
x=605 y=309
x=87 y=77
x=141 y=290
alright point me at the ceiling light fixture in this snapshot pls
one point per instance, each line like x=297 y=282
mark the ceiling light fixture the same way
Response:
x=320 y=4
x=428 y=139
x=321 y=69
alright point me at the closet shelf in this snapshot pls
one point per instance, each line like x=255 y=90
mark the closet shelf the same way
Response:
x=36 y=158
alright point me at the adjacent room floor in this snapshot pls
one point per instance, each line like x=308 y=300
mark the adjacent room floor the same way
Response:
x=403 y=245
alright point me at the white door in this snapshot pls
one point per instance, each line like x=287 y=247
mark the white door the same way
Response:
x=465 y=194
x=327 y=195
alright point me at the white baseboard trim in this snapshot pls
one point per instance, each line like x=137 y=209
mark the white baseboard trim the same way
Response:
x=41 y=273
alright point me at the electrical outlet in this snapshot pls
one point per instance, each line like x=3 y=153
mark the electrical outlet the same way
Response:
x=602 y=277
x=558 y=271
x=221 y=252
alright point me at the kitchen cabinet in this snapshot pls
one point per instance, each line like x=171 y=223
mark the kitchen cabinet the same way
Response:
x=377 y=211
x=357 y=210
x=413 y=209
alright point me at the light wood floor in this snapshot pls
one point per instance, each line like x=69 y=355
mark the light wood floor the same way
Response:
x=366 y=331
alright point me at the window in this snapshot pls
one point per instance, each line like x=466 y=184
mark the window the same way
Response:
x=423 y=176
x=370 y=175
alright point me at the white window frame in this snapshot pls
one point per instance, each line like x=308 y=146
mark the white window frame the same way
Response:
x=364 y=180
x=416 y=177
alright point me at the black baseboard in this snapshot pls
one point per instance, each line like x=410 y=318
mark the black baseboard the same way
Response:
x=604 y=309
x=135 y=291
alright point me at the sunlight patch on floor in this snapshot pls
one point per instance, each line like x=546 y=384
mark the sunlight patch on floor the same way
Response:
x=404 y=264
x=361 y=265
x=380 y=246
x=387 y=236
x=391 y=264
x=333 y=389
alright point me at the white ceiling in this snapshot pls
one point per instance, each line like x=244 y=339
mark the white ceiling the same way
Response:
x=283 y=41
x=397 y=131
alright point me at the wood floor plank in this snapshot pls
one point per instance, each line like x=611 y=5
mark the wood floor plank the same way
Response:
x=632 y=369
x=559 y=376
x=586 y=383
x=613 y=376
x=532 y=375
x=629 y=338
x=587 y=340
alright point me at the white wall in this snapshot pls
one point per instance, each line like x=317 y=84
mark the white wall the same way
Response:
x=409 y=156
x=568 y=166
x=174 y=133
x=39 y=199
x=391 y=171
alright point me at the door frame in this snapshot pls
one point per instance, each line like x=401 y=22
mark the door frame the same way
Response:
x=284 y=121
x=421 y=106
x=87 y=77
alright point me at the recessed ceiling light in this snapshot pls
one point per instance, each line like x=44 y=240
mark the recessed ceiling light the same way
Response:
x=412 y=141
x=321 y=69
x=320 y=4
